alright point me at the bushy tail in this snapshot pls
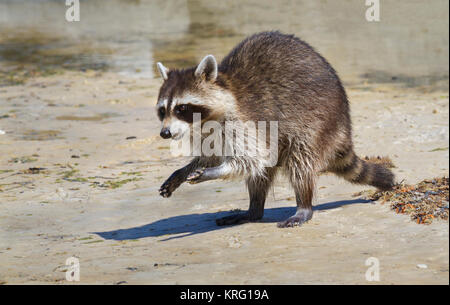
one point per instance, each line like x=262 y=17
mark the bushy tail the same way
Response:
x=355 y=170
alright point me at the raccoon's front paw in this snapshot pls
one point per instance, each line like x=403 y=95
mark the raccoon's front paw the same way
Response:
x=195 y=176
x=166 y=189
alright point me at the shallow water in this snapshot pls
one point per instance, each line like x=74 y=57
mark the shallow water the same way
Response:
x=409 y=45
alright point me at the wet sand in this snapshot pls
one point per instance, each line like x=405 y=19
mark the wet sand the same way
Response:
x=72 y=184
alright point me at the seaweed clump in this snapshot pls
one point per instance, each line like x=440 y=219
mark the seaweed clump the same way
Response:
x=426 y=201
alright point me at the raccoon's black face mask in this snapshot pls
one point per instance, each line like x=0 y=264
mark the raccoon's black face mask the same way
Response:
x=185 y=93
x=180 y=119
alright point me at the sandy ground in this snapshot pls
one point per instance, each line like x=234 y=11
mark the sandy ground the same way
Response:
x=96 y=198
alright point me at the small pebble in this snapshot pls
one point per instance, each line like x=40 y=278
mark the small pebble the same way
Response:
x=422 y=266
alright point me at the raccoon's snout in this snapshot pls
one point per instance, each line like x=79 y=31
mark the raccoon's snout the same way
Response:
x=165 y=133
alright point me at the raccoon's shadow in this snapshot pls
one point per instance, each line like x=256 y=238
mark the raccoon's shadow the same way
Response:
x=191 y=224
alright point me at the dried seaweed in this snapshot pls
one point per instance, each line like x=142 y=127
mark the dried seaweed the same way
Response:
x=426 y=201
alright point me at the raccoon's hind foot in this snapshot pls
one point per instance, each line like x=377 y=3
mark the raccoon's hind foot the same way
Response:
x=300 y=217
x=236 y=219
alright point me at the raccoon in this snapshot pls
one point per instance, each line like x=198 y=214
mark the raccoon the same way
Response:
x=269 y=76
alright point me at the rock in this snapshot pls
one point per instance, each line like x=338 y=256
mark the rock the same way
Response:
x=422 y=266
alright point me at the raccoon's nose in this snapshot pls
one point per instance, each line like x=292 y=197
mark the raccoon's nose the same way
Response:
x=165 y=133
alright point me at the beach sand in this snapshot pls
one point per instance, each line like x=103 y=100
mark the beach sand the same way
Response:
x=73 y=185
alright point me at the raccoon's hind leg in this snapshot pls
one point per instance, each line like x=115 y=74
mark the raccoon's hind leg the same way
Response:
x=304 y=185
x=258 y=187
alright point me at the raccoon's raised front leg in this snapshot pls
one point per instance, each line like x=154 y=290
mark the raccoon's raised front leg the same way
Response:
x=257 y=189
x=176 y=179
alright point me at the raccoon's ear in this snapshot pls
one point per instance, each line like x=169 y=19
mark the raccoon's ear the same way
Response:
x=163 y=70
x=208 y=68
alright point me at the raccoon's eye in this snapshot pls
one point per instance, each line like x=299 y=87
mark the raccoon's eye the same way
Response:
x=182 y=108
x=161 y=112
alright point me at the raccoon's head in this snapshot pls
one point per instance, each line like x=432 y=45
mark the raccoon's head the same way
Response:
x=188 y=91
